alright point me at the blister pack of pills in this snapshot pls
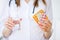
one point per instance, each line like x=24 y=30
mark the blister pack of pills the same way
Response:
x=39 y=15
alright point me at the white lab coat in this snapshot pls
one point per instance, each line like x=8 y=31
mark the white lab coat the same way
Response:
x=29 y=30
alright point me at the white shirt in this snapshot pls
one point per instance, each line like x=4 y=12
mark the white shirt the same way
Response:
x=29 y=29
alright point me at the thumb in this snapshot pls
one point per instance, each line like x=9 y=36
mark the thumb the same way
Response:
x=17 y=21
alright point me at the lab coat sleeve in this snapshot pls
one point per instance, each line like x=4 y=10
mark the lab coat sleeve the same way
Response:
x=43 y=38
x=3 y=14
x=49 y=13
x=49 y=10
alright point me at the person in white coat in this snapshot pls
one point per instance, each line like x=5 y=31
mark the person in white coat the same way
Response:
x=18 y=14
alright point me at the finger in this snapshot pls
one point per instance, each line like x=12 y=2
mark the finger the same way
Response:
x=44 y=29
x=16 y=22
x=44 y=16
x=42 y=25
x=47 y=27
x=9 y=25
x=48 y=23
x=42 y=21
x=10 y=22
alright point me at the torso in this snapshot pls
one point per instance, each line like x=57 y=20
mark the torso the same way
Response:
x=29 y=29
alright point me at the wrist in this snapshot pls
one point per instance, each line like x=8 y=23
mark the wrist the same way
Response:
x=48 y=34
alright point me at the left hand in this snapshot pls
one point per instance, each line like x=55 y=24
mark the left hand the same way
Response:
x=45 y=25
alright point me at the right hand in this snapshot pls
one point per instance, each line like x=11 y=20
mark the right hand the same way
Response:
x=10 y=23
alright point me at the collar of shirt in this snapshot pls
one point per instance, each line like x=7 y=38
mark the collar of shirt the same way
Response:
x=27 y=4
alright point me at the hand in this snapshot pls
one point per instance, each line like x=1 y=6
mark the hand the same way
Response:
x=45 y=25
x=10 y=23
